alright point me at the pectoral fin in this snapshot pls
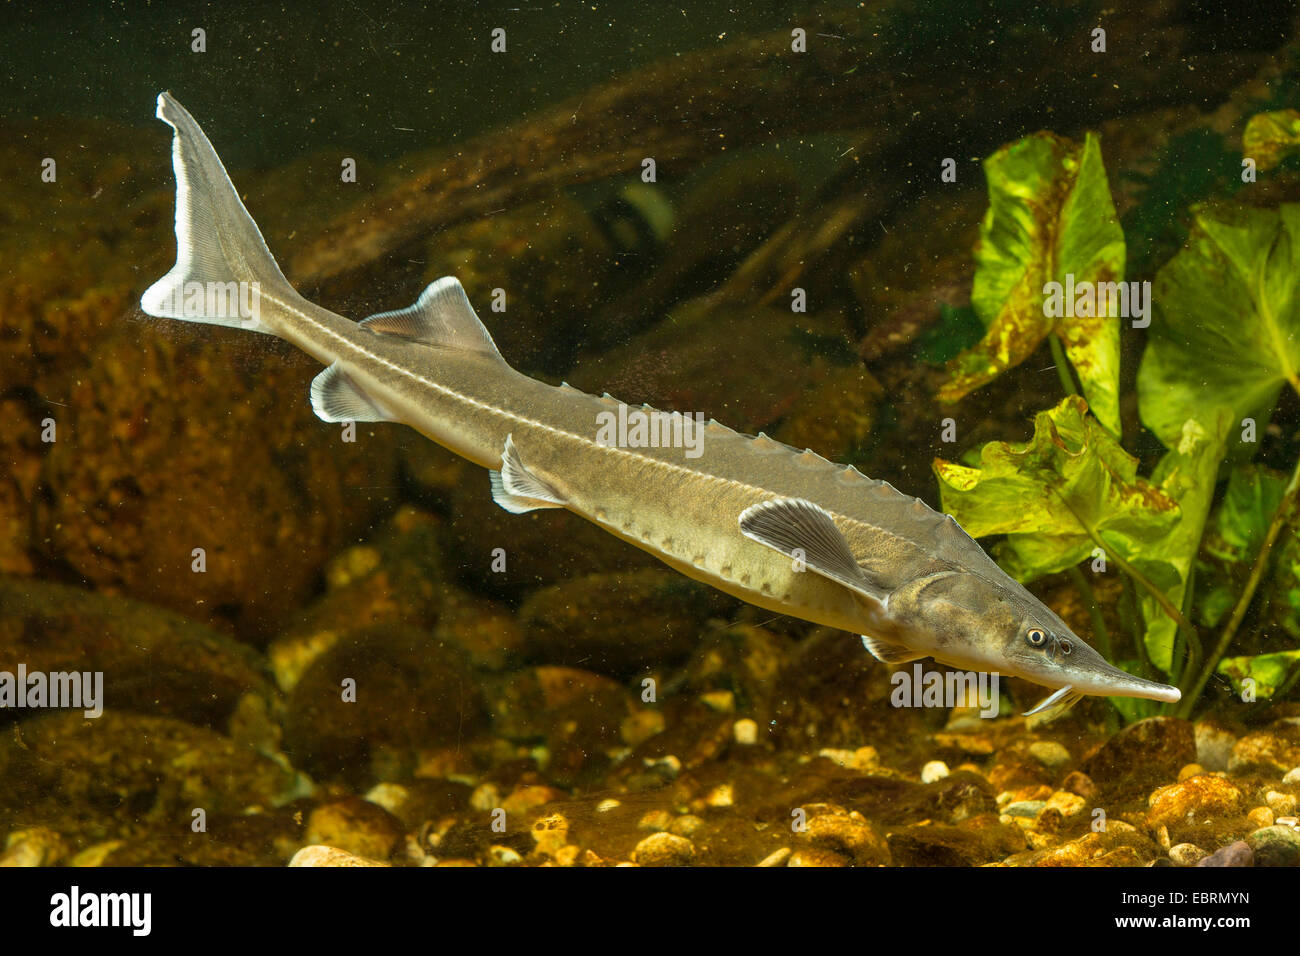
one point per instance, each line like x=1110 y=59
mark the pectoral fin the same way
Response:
x=517 y=489
x=805 y=531
x=888 y=652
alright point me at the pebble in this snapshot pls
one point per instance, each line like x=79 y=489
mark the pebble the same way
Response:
x=719 y=701
x=1273 y=750
x=669 y=765
x=391 y=796
x=664 y=849
x=607 y=805
x=34 y=846
x=330 y=856
x=551 y=833
x=1282 y=804
x=656 y=821
x=1050 y=754
x=687 y=825
x=864 y=758
x=485 y=798
x=848 y=833
x=1080 y=783
x=638 y=727
x=503 y=856
x=1275 y=846
x=1213 y=746
x=1234 y=854
x=523 y=800
x=934 y=771
x=1066 y=804
x=1191 y=770
x=808 y=856
x=745 y=731
x=1260 y=817
x=776 y=858
x=722 y=795
x=567 y=855
x=1186 y=854
x=354 y=825
x=1292 y=777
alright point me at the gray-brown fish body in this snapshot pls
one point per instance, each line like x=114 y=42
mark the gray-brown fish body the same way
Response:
x=782 y=529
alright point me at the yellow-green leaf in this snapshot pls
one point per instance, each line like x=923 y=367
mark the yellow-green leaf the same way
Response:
x=1050 y=218
x=1270 y=137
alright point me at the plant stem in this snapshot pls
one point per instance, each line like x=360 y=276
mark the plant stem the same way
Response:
x=1159 y=596
x=1101 y=636
x=1062 y=367
x=1194 y=648
x=1281 y=518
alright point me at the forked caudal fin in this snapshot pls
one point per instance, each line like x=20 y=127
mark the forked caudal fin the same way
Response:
x=222 y=263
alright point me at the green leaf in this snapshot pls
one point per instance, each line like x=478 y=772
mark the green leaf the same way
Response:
x=1187 y=475
x=1045 y=495
x=1269 y=671
x=1253 y=496
x=1286 y=585
x=958 y=328
x=1050 y=216
x=1227 y=327
x=1271 y=137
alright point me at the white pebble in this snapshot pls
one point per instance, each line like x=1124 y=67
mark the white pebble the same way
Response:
x=933 y=771
x=745 y=731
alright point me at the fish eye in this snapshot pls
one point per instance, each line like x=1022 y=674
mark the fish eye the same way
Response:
x=1036 y=636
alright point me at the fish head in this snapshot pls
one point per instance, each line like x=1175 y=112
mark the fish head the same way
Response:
x=999 y=626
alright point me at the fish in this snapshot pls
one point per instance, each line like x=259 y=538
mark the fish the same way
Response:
x=781 y=528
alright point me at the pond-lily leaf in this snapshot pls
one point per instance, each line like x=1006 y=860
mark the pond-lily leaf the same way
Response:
x=1268 y=671
x=1052 y=494
x=1227 y=327
x=1187 y=475
x=1286 y=586
x=1050 y=219
x=1271 y=137
x=1252 y=498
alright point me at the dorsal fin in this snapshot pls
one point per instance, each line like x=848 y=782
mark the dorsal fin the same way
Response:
x=441 y=317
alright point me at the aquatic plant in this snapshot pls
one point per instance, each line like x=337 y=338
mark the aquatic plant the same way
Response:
x=1222 y=346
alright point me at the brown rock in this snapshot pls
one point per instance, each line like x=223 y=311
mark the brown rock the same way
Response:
x=1273 y=750
x=356 y=826
x=122 y=773
x=664 y=849
x=1142 y=755
x=1197 y=799
x=162 y=433
x=153 y=661
x=938 y=845
x=330 y=856
x=619 y=622
x=848 y=833
x=412 y=692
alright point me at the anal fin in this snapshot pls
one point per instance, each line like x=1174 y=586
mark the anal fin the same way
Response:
x=800 y=529
x=517 y=489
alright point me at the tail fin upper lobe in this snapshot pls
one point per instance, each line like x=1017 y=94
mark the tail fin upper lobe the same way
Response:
x=222 y=263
